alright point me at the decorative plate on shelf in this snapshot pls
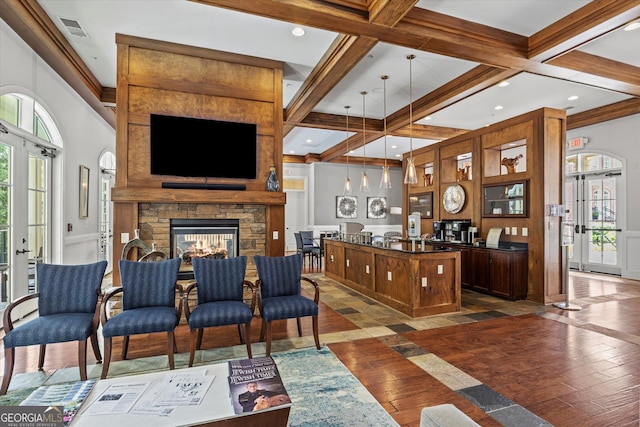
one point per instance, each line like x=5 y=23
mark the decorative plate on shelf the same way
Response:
x=453 y=198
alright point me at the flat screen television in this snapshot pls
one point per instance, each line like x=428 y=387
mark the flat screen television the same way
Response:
x=190 y=147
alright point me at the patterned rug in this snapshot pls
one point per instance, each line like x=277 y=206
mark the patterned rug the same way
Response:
x=323 y=392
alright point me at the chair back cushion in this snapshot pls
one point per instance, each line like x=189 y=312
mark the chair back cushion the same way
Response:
x=148 y=284
x=219 y=279
x=299 y=245
x=69 y=288
x=279 y=276
x=307 y=238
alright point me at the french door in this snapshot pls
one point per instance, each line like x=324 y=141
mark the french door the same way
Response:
x=593 y=206
x=25 y=176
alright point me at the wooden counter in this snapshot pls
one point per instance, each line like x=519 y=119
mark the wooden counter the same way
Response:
x=416 y=282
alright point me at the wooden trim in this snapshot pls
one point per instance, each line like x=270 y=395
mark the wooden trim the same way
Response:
x=159 y=195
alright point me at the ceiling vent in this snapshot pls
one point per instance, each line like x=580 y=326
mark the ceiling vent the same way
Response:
x=74 y=28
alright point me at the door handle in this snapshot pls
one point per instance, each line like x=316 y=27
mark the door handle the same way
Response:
x=23 y=251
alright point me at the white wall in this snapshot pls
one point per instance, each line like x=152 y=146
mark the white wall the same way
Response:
x=84 y=133
x=620 y=138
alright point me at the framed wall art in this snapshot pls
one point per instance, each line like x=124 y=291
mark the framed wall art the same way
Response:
x=376 y=207
x=84 y=192
x=346 y=207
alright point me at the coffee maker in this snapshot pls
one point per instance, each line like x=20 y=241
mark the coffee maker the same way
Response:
x=460 y=230
x=438 y=230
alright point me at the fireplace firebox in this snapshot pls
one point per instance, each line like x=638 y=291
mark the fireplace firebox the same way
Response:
x=202 y=238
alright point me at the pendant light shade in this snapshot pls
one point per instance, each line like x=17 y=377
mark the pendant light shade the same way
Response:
x=411 y=176
x=347 y=182
x=385 y=180
x=364 y=180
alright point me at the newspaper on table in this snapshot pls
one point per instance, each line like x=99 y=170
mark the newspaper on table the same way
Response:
x=117 y=398
x=176 y=389
x=70 y=396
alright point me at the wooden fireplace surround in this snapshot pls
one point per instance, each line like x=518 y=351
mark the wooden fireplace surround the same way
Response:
x=172 y=79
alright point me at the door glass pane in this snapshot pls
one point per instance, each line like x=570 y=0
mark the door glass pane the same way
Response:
x=5 y=225
x=602 y=221
x=37 y=209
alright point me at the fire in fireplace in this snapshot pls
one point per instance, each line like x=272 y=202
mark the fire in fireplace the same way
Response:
x=207 y=238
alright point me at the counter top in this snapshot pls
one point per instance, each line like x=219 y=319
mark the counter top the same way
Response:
x=405 y=246
x=503 y=246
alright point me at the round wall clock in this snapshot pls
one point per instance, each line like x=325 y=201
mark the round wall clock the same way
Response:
x=453 y=198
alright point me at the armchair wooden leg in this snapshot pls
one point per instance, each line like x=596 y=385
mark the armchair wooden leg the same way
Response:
x=315 y=332
x=125 y=347
x=107 y=358
x=96 y=347
x=263 y=330
x=82 y=359
x=170 y=344
x=240 y=334
x=175 y=344
x=299 y=326
x=193 y=344
x=9 y=359
x=268 y=345
x=43 y=349
x=247 y=338
x=199 y=341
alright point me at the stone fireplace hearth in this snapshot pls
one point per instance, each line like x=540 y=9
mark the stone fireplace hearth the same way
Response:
x=154 y=221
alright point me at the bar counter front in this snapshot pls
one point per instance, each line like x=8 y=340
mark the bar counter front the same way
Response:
x=414 y=278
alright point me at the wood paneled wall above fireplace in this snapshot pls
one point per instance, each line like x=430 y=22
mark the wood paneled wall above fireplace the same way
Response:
x=156 y=77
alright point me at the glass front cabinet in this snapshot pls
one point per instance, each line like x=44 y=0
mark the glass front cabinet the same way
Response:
x=505 y=199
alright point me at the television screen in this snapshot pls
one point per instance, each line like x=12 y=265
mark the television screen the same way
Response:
x=184 y=146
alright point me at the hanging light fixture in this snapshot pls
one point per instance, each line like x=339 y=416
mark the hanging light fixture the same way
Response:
x=347 y=182
x=411 y=176
x=364 y=181
x=385 y=181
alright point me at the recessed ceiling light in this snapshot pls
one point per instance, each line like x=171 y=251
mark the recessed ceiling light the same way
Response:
x=398 y=155
x=394 y=146
x=292 y=152
x=298 y=31
x=573 y=97
x=308 y=141
x=503 y=83
x=632 y=26
x=428 y=118
x=498 y=107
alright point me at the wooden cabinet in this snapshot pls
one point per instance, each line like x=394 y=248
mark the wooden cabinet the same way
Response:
x=508 y=274
x=502 y=273
x=415 y=281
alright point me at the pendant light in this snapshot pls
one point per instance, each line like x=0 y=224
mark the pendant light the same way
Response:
x=411 y=176
x=364 y=181
x=385 y=181
x=347 y=182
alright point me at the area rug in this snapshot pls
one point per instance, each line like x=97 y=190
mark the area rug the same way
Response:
x=323 y=392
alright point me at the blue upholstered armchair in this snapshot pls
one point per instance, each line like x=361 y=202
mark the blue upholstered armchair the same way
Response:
x=220 y=289
x=148 y=305
x=67 y=309
x=279 y=294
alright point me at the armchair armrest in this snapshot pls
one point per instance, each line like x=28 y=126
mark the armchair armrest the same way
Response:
x=316 y=297
x=253 y=290
x=105 y=301
x=180 y=290
x=185 y=298
x=7 y=324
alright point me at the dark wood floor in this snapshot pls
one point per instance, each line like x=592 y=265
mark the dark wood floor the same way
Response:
x=567 y=367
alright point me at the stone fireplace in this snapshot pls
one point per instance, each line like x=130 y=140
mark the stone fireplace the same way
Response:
x=198 y=221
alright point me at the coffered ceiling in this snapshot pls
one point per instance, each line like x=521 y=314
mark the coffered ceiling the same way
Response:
x=547 y=50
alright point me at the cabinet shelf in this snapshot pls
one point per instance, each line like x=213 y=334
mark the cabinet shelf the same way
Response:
x=505 y=200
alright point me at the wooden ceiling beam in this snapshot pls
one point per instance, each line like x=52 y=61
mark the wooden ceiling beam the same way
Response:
x=608 y=112
x=344 y=54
